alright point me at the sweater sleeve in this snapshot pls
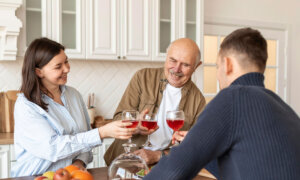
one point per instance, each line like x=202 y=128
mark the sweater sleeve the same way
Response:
x=208 y=139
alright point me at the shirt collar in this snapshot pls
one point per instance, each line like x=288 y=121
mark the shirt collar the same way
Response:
x=62 y=88
x=250 y=79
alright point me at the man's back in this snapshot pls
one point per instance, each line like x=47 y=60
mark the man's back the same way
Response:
x=249 y=129
x=265 y=143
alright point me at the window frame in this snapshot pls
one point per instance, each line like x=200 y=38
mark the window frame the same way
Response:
x=271 y=31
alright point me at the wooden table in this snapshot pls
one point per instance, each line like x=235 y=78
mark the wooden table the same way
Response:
x=99 y=174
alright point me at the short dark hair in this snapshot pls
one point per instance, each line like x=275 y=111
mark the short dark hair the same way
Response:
x=38 y=54
x=249 y=42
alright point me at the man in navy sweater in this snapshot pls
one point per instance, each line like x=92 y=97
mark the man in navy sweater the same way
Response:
x=250 y=131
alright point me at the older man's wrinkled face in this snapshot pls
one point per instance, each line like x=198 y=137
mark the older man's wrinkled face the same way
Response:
x=180 y=65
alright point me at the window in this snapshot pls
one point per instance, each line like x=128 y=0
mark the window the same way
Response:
x=275 y=75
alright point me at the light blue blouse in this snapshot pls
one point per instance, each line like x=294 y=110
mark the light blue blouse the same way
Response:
x=46 y=141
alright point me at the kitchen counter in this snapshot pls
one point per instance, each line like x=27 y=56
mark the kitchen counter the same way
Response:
x=6 y=138
x=99 y=174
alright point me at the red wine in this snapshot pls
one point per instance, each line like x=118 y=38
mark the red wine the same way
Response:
x=133 y=125
x=175 y=124
x=149 y=124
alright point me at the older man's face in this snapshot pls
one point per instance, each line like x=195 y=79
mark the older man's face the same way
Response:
x=180 y=65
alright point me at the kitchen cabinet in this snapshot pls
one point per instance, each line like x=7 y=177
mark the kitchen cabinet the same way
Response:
x=98 y=154
x=119 y=29
x=7 y=157
x=175 y=19
x=138 y=30
x=62 y=21
x=4 y=161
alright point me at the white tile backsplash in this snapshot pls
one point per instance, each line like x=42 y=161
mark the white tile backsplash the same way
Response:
x=107 y=79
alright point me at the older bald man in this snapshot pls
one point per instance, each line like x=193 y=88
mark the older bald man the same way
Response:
x=157 y=90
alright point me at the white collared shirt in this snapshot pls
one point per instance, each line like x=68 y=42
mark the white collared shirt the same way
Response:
x=46 y=141
x=161 y=138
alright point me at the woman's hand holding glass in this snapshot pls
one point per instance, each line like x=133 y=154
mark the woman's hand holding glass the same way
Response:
x=117 y=129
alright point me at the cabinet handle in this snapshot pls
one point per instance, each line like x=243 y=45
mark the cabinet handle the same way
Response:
x=119 y=57
x=124 y=57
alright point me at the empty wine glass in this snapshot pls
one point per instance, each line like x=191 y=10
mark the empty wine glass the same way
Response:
x=127 y=166
x=130 y=116
x=175 y=120
x=149 y=122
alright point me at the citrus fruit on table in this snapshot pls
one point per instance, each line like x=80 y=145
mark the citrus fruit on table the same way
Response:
x=82 y=175
x=71 y=168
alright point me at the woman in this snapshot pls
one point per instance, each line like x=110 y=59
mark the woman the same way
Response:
x=51 y=121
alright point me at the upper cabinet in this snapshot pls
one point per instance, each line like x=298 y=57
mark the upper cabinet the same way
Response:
x=119 y=29
x=62 y=21
x=175 y=19
x=9 y=29
x=138 y=30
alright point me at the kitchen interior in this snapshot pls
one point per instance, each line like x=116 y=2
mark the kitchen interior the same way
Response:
x=107 y=41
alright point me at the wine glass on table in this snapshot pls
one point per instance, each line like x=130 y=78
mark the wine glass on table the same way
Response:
x=149 y=122
x=133 y=117
x=128 y=165
x=175 y=120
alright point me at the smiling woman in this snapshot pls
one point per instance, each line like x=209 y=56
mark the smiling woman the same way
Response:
x=52 y=126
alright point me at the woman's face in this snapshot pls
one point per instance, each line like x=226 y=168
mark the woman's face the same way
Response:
x=55 y=72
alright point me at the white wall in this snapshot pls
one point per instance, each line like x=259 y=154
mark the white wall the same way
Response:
x=271 y=11
x=108 y=80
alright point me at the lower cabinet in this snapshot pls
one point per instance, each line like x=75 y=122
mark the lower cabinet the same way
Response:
x=7 y=157
x=99 y=152
x=4 y=161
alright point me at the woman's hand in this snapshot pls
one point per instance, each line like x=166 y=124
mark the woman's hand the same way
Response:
x=79 y=164
x=116 y=129
x=179 y=136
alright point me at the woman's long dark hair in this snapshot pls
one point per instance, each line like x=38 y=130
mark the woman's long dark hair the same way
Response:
x=37 y=55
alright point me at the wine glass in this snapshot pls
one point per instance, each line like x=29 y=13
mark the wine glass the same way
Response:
x=175 y=120
x=127 y=166
x=130 y=116
x=149 y=122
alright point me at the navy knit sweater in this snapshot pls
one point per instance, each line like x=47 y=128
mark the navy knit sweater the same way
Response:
x=250 y=131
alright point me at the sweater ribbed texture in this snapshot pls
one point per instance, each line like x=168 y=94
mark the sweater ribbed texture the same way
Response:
x=252 y=133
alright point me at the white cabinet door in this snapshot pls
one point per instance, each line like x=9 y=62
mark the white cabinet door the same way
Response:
x=4 y=161
x=95 y=162
x=36 y=22
x=68 y=26
x=175 y=19
x=103 y=29
x=102 y=149
x=136 y=31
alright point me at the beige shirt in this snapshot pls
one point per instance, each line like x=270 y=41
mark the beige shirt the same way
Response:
x=145 y=91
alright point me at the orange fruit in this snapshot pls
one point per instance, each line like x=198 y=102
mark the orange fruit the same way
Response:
x=81 y=175
x=71 y=168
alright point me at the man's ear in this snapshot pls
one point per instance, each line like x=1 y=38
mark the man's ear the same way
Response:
x=228 y=65
x=199 y=63
x=39 y=73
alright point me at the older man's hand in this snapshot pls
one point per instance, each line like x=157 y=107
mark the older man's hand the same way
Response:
x=141 y=129
x=149 y=156
x=179 y=136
